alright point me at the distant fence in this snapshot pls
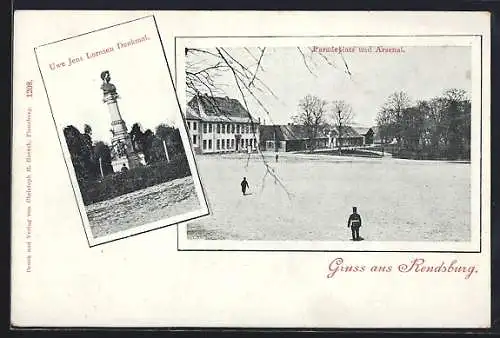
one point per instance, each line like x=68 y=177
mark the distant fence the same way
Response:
x=134 y=179
x=421 y=154
x=349 y=151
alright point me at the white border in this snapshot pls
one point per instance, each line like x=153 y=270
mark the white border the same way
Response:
x=106 y=286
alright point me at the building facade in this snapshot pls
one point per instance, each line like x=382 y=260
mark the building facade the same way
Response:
x=294 y=137
x=350 y=136
x=367 y=133
x=220 y=124
x=291 y=137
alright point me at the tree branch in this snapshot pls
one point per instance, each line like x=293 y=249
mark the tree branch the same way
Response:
x=305 y=62
x=257 y=68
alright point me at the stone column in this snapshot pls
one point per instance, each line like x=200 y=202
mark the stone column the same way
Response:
x=121 y=144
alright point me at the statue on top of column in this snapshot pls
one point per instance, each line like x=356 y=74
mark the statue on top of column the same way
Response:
x=107 y=87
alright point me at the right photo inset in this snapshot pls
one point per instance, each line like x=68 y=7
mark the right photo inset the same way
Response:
x=334 y=144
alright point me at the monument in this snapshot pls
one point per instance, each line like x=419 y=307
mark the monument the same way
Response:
x=122 y=151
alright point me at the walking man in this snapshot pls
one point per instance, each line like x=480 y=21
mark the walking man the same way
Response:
x=354 y=223
x=244 y=186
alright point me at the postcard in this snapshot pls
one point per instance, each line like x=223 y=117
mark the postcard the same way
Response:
x=325 y=170
x=121 y=132
x=359 y=143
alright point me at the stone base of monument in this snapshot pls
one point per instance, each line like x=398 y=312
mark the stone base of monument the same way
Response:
x=131 y=161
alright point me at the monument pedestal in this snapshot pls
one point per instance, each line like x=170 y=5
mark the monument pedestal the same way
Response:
x=122 y=151
x=131 y=161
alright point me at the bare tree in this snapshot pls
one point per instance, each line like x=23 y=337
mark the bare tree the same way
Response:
x=312 y=116
x=342 y=116
x=398 y=101
x=205 y=68
x=395 y=106
x=457 y=95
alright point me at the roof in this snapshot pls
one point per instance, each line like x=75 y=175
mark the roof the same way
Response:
x=286 y=132
x=346 y=131
x=216 y=109
x=376 y=133
x=363 y=130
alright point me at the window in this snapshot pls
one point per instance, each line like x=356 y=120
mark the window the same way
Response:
x=218 y=128
x=204 y=128
x=209 y=127
x=242 y=143
x=218 y=144
x=237 y=129
x=223 y=128
x=194 y=125
x=232 y=129
x=246 y=143
x=232 y=143
x=204 y=144
x=251 y=141
x=228 y=144
x=210 y=144
x=189 y=125
x=223 y=144
x=194 y=139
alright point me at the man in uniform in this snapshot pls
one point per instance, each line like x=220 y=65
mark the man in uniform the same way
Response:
x=244 y=185
x=354 y=223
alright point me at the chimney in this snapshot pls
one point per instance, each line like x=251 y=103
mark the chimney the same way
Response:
x=200 y=107
x=259 y=120
x=227 y=98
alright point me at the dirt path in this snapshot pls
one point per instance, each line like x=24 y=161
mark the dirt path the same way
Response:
x=142 y=206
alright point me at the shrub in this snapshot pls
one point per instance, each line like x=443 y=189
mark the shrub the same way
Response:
x=134 y=179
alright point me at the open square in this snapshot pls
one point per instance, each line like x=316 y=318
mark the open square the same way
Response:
x=398 y=200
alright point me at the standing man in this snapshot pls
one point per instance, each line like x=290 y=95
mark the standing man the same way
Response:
x=354 y=223
x=244 y=186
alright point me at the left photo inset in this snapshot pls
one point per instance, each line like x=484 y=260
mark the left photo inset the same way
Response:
x=121 y=130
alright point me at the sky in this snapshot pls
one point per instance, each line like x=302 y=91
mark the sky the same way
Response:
x=147 y=96
x=139 y=73
x=423 y=72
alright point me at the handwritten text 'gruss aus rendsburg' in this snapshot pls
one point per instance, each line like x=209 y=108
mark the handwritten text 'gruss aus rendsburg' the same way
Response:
x=417 y=265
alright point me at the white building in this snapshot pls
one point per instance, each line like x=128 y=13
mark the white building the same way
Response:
x=220 y=124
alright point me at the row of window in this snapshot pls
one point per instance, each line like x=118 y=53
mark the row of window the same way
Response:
x=223 y=128
x=228 y=144
x=229 y=141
